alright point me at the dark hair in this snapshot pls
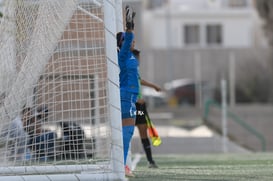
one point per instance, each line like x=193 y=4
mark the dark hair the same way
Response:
x=120 y=38
x=25 y=109
x=42 y=112
x=42 y=109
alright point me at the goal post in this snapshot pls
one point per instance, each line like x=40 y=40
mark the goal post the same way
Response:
x=59 y=91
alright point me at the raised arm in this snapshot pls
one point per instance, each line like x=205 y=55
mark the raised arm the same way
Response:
x=128 y=36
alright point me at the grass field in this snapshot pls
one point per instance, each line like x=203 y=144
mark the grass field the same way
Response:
x=212 y=167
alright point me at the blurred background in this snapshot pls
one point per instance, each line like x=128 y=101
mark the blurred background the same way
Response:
x=188 y=47
x=214 y=60
x=204 y=41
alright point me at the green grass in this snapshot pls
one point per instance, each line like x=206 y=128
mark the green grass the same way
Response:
x=212 y=167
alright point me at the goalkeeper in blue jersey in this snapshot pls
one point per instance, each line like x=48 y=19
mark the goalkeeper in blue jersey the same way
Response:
x=128 y=82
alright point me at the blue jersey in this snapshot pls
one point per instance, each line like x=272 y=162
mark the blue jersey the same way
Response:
x=128 y=64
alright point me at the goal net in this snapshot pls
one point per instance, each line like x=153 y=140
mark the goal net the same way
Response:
x=59 y=96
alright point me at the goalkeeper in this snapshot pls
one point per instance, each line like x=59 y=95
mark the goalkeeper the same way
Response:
x=128 y=82
x=141 y=119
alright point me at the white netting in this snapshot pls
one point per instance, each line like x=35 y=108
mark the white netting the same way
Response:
x=54 y=88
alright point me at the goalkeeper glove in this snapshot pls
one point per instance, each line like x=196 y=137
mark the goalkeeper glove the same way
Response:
x=129 y=18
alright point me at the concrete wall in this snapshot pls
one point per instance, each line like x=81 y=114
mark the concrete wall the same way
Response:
x=257 y=117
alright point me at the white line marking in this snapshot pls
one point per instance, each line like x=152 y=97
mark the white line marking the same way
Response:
x=135 y=161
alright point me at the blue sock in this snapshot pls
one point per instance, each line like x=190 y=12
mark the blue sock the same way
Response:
x=127 y=133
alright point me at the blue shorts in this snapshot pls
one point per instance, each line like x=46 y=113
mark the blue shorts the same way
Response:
x=128 y=107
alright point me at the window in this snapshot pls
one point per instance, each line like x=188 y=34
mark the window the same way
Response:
x=214 y=34
x=192 y=34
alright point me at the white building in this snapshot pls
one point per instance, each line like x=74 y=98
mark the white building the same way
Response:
x=203 y=24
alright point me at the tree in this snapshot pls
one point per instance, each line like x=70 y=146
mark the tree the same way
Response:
x=265 y=10
x=1 y=14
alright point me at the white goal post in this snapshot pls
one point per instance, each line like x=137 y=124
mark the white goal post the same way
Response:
x=59 y=90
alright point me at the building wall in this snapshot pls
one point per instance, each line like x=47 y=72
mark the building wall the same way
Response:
x=167 y=28
x=166 y=50
x=74 y=82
